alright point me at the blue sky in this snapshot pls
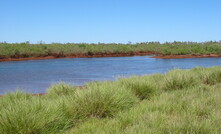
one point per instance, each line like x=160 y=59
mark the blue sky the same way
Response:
x=109 y=21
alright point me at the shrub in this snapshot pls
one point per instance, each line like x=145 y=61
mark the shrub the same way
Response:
x=18 y=50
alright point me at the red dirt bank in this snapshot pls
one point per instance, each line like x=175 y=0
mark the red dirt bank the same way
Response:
x=112 y=55
x=79 y=56
x=185 y=56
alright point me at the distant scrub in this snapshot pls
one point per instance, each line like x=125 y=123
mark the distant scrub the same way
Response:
x=180 y=101
x=22 y=50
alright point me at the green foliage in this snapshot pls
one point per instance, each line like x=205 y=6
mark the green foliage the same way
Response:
x=179 y=79
x=61 y=89
x=209 y=76
x=100 y=100
x=32 y=116
x=194 y=111
x=143 y=88
x=20 y=50
x=13 y=98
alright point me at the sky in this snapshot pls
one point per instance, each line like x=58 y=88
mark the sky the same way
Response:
x=109 y=21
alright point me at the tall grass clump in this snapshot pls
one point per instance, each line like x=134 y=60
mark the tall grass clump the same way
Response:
x=61 y=89
x=144 y=87
x=33 y=116
x=100 y=100
x=13 y=98
x=179 y=79
x=194 y=111
x=208 y=76
x=211 y=77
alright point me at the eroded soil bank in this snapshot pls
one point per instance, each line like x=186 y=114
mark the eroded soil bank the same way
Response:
x=79 y=56
x=159 y=56
x=185 y=56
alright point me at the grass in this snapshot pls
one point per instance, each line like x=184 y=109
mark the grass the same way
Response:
x=60 y=89
x=180 y=101
x=31 y=115
x=179 y=79
x=22 y=50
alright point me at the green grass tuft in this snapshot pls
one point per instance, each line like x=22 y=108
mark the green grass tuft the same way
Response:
x=100 y=100
x=179 y=79
x=143 y=88
x=61 y=89
x=32 y=116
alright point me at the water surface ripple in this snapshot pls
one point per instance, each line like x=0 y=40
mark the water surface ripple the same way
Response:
x=35 y=76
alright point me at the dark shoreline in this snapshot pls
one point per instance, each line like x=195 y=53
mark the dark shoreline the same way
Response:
x=111 y=55
x=79 y=56
x=159 y=56
x=186 y=56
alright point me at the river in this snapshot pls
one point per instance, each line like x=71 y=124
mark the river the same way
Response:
x=35 y=76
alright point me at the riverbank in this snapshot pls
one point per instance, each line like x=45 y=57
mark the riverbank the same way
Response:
x=79 y=56
x=158 y=56
x=27 y=51
x=178 y=101
x=186 y=56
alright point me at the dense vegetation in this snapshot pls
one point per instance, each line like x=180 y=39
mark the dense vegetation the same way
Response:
x=180 y=101
x=21 y=50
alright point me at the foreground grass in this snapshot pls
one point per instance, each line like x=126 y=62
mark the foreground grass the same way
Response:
x=180 y=101
x=23 y=50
